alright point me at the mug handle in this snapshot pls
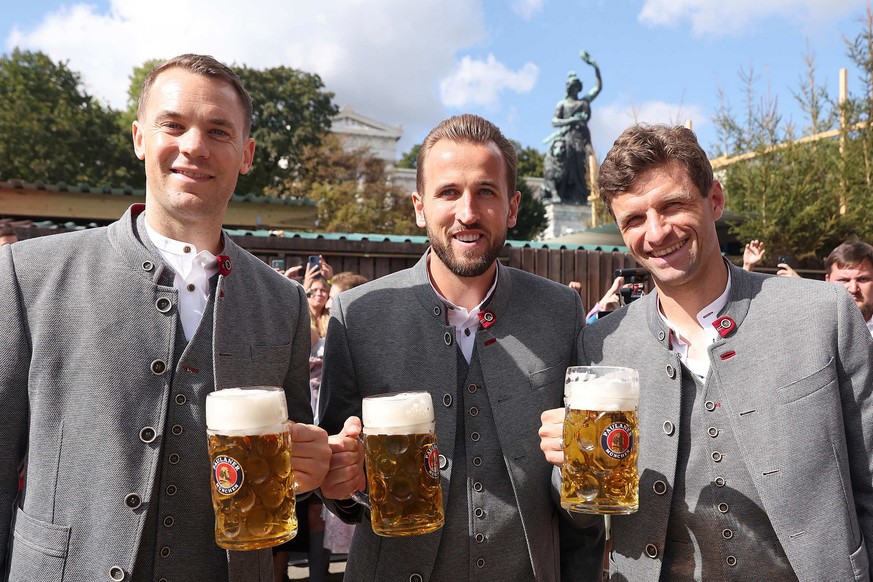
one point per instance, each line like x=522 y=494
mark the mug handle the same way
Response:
x=361 y=497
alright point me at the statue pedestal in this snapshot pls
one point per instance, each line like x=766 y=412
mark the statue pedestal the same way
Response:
x=565 y=219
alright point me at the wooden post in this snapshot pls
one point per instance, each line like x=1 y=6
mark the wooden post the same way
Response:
x=843 y=130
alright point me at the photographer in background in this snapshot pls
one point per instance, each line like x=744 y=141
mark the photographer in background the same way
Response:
x=619 y=293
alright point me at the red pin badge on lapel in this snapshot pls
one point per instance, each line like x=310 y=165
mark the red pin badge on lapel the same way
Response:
x=224 y=265
x=724 y=325
x=487 y=319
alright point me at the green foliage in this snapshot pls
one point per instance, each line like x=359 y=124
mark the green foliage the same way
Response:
x=291 y=112
x=409 y=160
x=531 y=215
x=802 y=194
x=353 y=191
x=530 y=160
x=52 y=131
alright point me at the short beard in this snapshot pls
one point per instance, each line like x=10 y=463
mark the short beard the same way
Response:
x=470 y=268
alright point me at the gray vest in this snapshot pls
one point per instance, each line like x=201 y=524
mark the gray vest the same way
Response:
x=178 y=515
x=717 y=529
x=482 y=519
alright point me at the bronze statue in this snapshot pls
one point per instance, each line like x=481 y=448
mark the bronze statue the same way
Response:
x=566 y=162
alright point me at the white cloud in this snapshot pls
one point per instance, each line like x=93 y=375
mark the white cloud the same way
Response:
x=735 y=16
x=527 y=8
x=381 y=57
x=476 y=82
x=609 y=120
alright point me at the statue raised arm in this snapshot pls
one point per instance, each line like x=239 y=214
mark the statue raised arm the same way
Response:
x=570 y=145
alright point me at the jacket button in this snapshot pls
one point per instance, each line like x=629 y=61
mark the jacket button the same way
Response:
x=158 y=367
x=175 y=458
x=147 y=266
x=720 y=481
x=661 y=336
x=480 y=563
x=474 y=411
x=480 y=537
x=169 y=521
x=443 y=461
x=448 y=338
x=723 y=507
x=447 y=400
x=472 y=388
x=731 y=561
x=177 y=429
x=671 y=371
x=709 y=405
x=712 y=431
x=437 y=310
x=477 y=486
x=659 y=487
x=181 y=399
x=477 y=461
x=651 y=551
x=716 y=456
x=727 y=534
x=147 y=434
x=163 y=304
x=116 y=574
x=669 y=428
x=171 y=490
x=132 y=500
x=415 y=578
x=475 y=436
x=479 y=512
x=165 y=551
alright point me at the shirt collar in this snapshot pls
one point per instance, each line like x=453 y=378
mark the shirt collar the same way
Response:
x=183 y=256
x=457 y=315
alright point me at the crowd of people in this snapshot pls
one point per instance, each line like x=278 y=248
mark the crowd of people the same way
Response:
x=755 y=404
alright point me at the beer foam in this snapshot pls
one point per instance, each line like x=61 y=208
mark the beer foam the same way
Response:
x=259 y=410
x=398 y=413
x=613 y=391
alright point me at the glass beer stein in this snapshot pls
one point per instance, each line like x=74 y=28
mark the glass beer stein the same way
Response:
x=252 y=479
x=601 y=440
x=402 y=463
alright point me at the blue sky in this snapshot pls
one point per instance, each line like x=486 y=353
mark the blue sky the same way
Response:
x=413 y=63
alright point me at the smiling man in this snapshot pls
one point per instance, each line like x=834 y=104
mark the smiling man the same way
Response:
x=489 y=343
x=114 y=337
x=755 y=398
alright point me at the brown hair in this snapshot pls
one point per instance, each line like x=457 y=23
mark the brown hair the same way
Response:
x=850 y=253
x=347 y=280
x=200 y=65
x=643 y=147
x=468 y=128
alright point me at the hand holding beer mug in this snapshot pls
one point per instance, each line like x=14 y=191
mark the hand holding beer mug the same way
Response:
x=601 y=439
x=402 y=464
x=252 y=479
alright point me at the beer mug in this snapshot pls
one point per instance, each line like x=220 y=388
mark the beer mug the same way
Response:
x=601 y=440
x=402 y=462
x=252 y=479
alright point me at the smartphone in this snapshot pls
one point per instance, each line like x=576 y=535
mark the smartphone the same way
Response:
x=313 y=261
x=278 y=264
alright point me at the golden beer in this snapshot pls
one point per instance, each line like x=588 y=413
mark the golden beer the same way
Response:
x=252 y=478
x=402 y=463
x=601 y=438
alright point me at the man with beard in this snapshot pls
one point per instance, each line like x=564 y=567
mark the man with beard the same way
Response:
x=491 y=345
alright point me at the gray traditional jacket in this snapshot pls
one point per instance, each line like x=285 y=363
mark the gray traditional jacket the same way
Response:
x=794 y=385
x=392 y=335
x=87 y=376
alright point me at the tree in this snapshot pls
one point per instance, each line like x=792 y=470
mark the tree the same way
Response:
x=803 y=194
x=409 y=159
x=531 y=215
x=353 y=191
x=52 y=131
x=292 y=112
x=530 y=160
